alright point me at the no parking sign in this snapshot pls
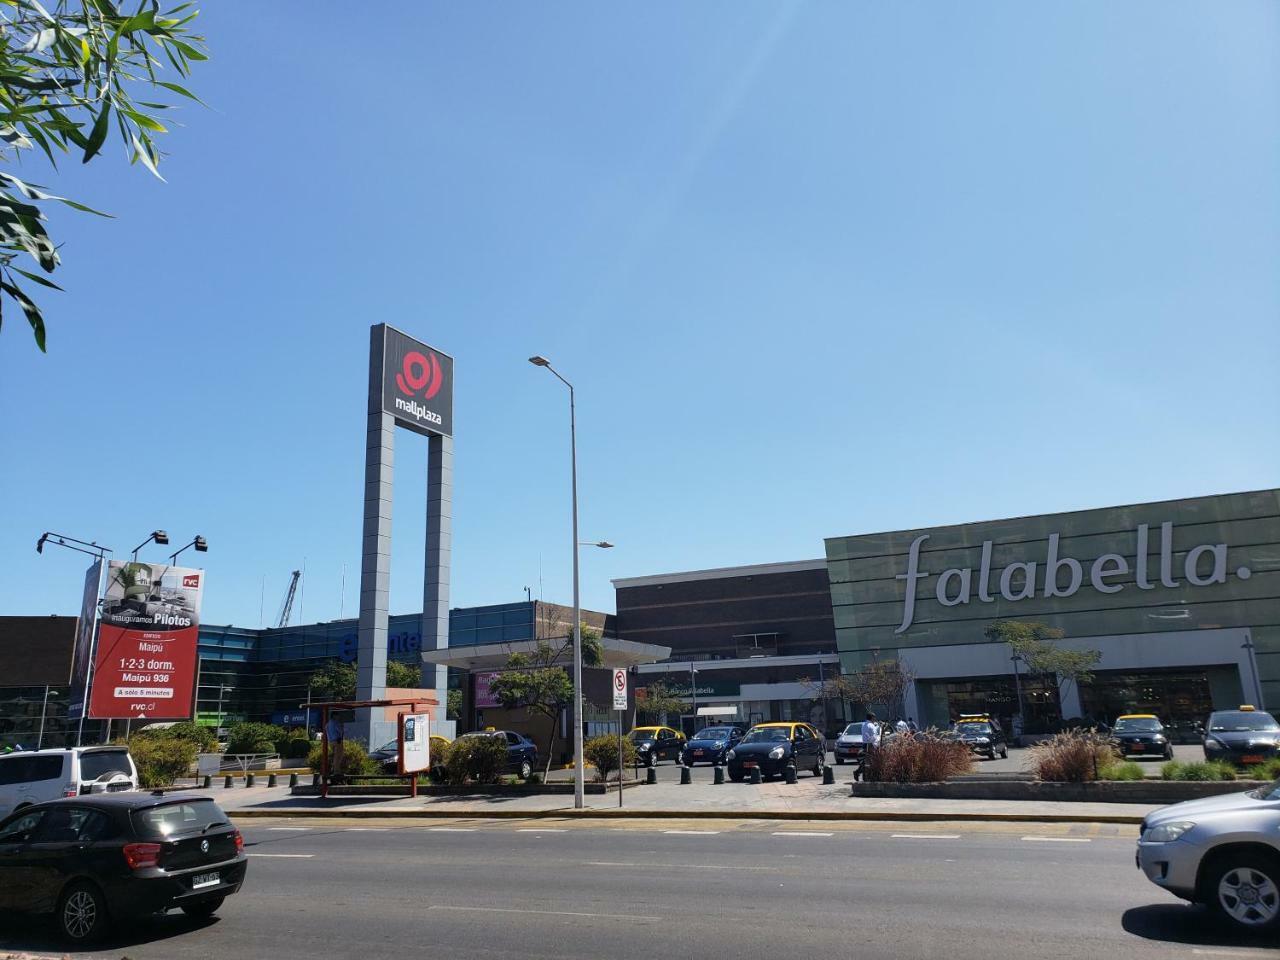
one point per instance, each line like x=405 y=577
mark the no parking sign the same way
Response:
x=619 y=689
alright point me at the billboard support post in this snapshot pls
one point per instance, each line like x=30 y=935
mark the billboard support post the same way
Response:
x=410 y=386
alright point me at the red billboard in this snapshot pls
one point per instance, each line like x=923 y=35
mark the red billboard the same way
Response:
x=147 y=657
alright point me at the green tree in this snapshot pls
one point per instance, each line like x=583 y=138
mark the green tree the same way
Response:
x=68 y=74
x=336 y=681
x=602 y=752
x=403 y=674
x=658 y=701
x=539 y=681
x=880 y=683
x=453 y=708
x=1037 y=646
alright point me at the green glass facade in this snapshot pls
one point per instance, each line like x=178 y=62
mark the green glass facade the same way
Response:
x=1206 y=588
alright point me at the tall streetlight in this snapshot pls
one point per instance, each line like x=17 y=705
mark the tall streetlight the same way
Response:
x=579 y=780
x=200 y=543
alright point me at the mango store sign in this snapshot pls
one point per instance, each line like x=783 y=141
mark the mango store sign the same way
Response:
x=1203 y=566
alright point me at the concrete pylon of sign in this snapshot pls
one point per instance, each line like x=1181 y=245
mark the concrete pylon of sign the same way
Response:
x=410 y=385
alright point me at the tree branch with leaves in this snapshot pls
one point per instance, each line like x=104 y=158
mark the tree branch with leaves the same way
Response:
x=68 y=75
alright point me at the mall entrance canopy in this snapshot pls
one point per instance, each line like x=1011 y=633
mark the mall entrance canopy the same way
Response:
x=494 y=656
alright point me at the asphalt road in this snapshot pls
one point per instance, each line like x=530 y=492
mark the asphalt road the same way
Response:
x=633 y=890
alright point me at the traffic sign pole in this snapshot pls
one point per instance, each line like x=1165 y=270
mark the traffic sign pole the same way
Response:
x=620 y=704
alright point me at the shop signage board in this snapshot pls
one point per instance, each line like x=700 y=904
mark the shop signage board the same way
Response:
x=415 y=742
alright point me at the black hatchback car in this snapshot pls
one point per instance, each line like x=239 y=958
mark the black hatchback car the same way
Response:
x=773 y=748
x=1245 y=736
x=982 y=734
x=1141 y=735
x=710 y=744
x=92 y=860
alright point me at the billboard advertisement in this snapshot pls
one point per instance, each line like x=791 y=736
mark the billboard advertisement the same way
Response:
x=417 y=384
x=484 y=699
x=84 y=639
x=147 y=657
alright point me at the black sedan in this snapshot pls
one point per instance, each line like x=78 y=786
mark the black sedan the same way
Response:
x=108 y=857
x=773 y=748
x=1242 y=736
x=1141 y=735
x=522 y=753
x=710 y=744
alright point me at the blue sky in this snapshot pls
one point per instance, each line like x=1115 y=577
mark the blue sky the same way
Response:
x=815 y=269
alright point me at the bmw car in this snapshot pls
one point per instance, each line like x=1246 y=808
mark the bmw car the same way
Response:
x=1245 y=736
x=710 y=744
x=1141 y=735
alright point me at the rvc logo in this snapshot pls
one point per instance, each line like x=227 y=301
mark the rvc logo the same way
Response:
x=420 y=373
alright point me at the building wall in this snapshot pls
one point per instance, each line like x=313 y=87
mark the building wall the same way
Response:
x=714 y=614
x=868 y=579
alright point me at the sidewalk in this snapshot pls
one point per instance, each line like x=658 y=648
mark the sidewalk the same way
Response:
x=808 y=799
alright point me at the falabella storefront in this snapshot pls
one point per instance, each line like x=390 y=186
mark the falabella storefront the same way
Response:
x=1180 y=598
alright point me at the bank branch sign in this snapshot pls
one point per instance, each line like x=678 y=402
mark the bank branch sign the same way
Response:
x=1062 y=576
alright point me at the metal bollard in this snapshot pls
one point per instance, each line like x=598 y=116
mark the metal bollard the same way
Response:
x=226 y=784
x=755 y=775
x=828 y=776
x=208 y=781
x=249 y=779
x=686 y=775
x=790 y=774
x=719 y=775
x=271 y=780
x=651 y=775
x=293 y=780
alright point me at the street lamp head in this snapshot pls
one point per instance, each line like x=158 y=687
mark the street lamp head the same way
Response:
x=540 y=361
x=40 y=543
x=201 y=544
x=161 y=537
x=605 y=545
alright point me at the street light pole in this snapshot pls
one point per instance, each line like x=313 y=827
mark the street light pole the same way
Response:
x=579 y=774
x=1017 y=686
x=43 y=709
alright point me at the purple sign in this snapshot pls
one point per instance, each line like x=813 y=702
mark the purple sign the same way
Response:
x=483 y=697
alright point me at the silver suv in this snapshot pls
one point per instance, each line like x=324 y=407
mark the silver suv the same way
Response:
x=1223 y=852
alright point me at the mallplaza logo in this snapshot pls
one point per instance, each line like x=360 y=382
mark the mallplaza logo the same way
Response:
x=1018 y=581
x=419 y=373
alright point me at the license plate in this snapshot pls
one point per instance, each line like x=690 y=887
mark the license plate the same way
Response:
x=750 y=764
x=204 y=880
x=1137 y=748
x=697 y=753
x=1251 y=758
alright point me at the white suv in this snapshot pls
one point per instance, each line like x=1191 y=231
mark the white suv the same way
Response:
x=33 y=776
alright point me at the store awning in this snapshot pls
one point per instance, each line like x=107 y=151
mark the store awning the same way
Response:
x=494 y=656
x=717 y=711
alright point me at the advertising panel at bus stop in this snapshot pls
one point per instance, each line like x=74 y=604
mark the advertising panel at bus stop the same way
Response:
x=146 y=663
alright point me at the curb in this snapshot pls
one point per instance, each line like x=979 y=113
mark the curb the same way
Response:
x=605 y=814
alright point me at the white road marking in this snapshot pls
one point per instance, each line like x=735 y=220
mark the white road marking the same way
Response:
x=551 y=913
x=925 y=836
x=287 y=829
x=692 y=833
x=1058 y=839
x=634 y=865
x=799 y=833
x=366 y=829
x=452 y=829
x=285 y=856
x=541 y=830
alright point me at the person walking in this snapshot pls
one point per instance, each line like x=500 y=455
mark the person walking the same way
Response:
x=870 y=743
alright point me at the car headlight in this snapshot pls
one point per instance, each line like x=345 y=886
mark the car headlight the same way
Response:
x=1211 y=743
x=1159 y=739
x=1168 y=832
x=730 y=755
x=984 y=740
x=644 y=745
x=777 y=753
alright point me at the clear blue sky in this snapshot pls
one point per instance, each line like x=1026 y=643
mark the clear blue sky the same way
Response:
x=815 y=268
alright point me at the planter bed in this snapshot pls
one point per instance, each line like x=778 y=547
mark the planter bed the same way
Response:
x=1101 y=791
x=441 y=790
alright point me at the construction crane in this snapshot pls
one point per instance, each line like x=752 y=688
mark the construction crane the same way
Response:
x=287 y=607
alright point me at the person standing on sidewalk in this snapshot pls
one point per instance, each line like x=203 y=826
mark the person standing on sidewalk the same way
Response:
x=870 y=743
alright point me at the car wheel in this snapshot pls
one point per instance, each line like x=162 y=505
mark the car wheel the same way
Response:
x=1004 y=752
x=736 y=777
x=817 y=767
x=1245 y=890
x=1168 y=754
x=203 y=910
x=82 y=913
x=526 y=769
x=839 y=761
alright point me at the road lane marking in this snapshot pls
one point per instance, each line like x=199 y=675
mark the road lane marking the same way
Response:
x=541 y=830
x=633 y=865
x=366 y=829
x=800 y=833
x=287 y=829
x=452 y=829
x=924 y=836
x=284 y=856
x=1057 y=839
x=546 y=913
x=692 y=833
